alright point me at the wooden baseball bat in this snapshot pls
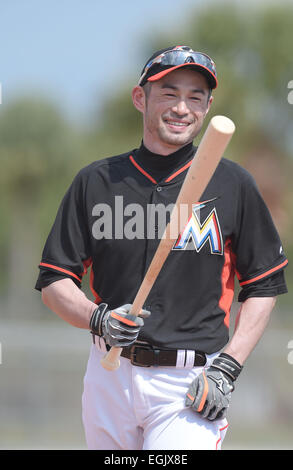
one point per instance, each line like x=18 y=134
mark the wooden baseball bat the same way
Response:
x=208 y=155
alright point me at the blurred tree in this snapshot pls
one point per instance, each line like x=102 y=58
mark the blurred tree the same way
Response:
x=38 y=150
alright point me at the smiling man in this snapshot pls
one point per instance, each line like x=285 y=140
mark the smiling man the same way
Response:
x=173 y=108
x=178 y=364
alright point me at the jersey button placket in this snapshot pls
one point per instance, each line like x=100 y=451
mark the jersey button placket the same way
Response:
x=158 y=190
x=157 y=200
x=152 y=241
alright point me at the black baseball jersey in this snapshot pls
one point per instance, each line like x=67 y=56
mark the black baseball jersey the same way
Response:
x=111 y=220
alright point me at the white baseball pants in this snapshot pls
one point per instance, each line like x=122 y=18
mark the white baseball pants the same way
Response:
x=142 y=408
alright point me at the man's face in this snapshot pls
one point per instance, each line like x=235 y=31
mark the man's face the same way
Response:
x=175 y=108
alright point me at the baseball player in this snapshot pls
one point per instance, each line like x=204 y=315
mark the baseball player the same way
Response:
x=178 y=365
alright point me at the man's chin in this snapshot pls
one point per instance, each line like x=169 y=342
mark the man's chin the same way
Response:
x=177 y=139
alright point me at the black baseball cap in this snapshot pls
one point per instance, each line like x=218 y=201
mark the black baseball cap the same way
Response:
x=171 y=58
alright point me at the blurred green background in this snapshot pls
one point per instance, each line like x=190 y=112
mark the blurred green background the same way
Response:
x=51 y=128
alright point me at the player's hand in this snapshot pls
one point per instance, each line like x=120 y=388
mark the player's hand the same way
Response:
x=210 y=393
x=118 y=327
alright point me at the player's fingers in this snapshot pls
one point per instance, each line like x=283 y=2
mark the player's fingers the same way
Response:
x=126 y=319
x=124 y=308
x=118 y=328
x=127 y=309
x=191 y=393
x=121 y=340
x=217 y=412
x=202 y=393
x=221 y=414
x=138 y=321
x=144 y=313
x=213 y=412
x=195 y=393
x=208 y=409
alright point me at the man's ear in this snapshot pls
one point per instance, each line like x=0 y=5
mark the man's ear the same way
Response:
x=139 y=98
x=211 y=99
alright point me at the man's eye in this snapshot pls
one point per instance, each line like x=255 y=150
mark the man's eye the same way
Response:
x=169 y=94
x=195 y=98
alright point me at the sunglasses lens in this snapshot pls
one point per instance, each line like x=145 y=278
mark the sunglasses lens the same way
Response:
x=174 y=58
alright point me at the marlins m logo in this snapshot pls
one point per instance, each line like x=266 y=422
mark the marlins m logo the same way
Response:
x=195 y=234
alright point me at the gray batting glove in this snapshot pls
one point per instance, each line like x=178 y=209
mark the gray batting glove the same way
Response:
x=118 y=327
x=210 y=393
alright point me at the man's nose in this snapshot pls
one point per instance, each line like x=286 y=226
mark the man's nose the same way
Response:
x=181 y=108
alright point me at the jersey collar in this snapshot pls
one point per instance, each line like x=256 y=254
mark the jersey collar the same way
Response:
x=162 y=168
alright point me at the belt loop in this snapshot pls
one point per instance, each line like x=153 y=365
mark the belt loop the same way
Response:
x=156 y=357
x=180 y=362
x=190 y=355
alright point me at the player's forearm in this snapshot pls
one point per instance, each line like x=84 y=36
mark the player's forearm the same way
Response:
x=66 y=300
x=252 y=320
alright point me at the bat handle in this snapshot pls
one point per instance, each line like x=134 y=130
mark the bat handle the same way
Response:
x=111 y=360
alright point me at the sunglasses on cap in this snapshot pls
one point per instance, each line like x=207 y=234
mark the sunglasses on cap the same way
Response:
x=176 y=58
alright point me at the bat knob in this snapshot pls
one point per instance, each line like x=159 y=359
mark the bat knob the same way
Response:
x=110 y=364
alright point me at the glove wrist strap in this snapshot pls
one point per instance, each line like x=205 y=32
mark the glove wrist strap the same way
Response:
x=97 y=319
x=228 y=365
